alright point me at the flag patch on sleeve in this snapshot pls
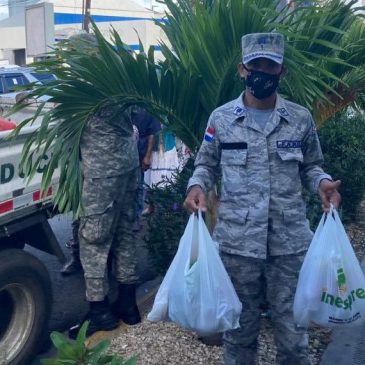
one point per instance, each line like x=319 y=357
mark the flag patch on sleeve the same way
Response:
x=209 y=134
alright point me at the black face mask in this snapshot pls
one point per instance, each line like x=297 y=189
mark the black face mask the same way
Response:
x=261 y=84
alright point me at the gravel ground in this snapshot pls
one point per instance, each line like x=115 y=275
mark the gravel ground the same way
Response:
x=166 y=344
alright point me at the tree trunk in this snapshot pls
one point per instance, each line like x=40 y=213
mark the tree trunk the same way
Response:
x=86 y=20
x=325 y=110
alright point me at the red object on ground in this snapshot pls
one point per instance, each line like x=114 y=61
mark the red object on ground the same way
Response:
x=6 y=125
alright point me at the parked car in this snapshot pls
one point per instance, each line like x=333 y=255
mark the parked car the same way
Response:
x=11 y=77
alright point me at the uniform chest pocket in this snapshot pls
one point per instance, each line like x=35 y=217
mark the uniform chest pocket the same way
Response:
x=234 y=157
x=234 y=172
x=290 y=154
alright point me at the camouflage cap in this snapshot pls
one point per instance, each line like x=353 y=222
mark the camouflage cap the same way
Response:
x=266 y=45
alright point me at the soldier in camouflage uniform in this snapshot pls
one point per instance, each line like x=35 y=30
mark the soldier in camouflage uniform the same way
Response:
x=109 y=162
x=264 y=148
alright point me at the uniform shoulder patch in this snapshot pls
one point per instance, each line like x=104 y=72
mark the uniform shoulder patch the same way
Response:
x=283 y=112
x=238 y=111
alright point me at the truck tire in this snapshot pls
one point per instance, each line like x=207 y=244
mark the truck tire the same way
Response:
x=25 y=306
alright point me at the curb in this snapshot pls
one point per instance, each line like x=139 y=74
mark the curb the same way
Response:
x=347 y=345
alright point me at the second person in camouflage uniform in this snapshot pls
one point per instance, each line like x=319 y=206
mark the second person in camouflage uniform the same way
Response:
x=265 y=148
x=109 y=162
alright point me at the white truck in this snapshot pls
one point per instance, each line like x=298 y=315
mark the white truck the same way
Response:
x=25 y=286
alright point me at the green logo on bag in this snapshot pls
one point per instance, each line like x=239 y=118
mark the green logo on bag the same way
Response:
x=341 y=282
x=342 y=303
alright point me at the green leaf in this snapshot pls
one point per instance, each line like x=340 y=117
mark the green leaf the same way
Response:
x=81 y=336
x=66 y=350
x=59 y=339
x=58 y=362
x=50 y=362
x=130 y=361
x=101 y=346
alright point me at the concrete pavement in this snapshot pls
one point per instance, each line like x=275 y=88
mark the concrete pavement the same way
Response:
x=69 y=304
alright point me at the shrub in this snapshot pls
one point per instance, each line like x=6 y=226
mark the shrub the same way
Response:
x=342 y=140
x=167 y=223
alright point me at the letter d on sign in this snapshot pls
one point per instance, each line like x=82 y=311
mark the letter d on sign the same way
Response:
x=6 y=173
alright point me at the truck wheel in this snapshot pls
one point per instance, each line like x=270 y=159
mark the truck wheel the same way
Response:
x=25 y=306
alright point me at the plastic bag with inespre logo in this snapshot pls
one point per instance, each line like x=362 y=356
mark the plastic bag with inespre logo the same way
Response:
x=331 y=286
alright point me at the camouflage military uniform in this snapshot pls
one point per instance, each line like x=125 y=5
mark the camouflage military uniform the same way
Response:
x=109 y=161
x=262 y=228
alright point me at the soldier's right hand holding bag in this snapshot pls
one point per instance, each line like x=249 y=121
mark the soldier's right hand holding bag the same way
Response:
x=331 y=286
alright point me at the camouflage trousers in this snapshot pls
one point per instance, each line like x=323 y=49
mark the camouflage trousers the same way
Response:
x=109 y=210
x=272 y=280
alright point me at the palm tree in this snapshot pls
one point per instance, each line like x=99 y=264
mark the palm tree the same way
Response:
x=350 y=88
x=324 y=58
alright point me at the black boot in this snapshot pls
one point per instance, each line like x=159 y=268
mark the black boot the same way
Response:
x=74 y=264
x=100 y=318
x=125 y=306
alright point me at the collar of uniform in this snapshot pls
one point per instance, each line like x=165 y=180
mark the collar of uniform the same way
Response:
x=282 y=110
x=239 y=110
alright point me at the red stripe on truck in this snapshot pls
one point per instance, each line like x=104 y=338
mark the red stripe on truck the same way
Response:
x=37 y=194
x=6 y=206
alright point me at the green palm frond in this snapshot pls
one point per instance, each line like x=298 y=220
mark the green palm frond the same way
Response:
x=351 y=73
x=207 y=41
x=88 y=81
x=197 y=75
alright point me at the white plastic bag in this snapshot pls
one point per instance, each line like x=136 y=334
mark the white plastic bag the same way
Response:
x=331 y=286
x=197 y=292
